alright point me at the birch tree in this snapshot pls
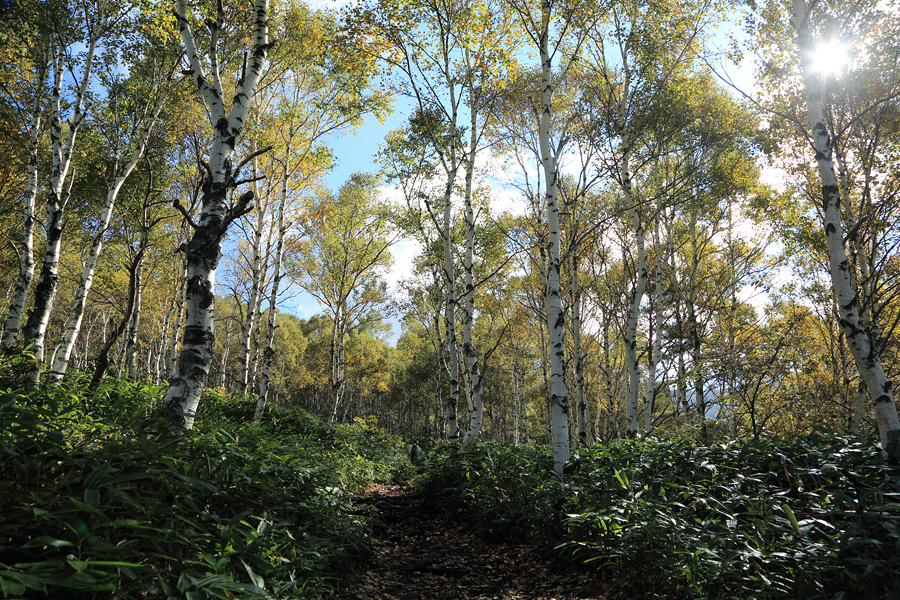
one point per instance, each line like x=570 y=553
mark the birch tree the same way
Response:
x=62 y=148
x=137 y=117
x=547 y=27
x=451 y=75
x=26 y=92
x=340 y=259
x=640 y=55
x=863 y=348
x=220 y=179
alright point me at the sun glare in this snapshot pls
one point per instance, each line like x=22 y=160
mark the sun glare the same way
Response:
x=830 y=58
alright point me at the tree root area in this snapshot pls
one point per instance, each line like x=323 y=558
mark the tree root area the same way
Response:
x=420 y=554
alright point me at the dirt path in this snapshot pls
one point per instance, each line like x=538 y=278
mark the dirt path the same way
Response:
x=420 y=555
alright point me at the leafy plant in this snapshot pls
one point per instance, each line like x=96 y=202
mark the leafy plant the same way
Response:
x=97 y=504
x=813 y=518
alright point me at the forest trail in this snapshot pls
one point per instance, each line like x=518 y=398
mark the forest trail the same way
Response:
x=420 y=554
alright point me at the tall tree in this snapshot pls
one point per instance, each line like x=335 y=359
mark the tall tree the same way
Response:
x=340 y=260
x=864 y=349
x=93 y=25
x=451 y=74
x=135 y=117
x=24 y=92
x=549 y=28
x=219 y=180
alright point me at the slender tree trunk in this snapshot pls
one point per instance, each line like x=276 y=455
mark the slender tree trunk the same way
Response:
x=450 y=314
x=269 y=350
x=634 y=311
x=131 y=339
x=862 y=346
x=337 y=364
x=609 y=427
x=656 y=349
x=102 y=363
x=45 y=290
x=859 y=280
x=476 y=378
x=559 y=409
x=252 y=304
x=26 y=254
x=178 y=306
x=204 y=249
x=581 y=409
x=73 y=323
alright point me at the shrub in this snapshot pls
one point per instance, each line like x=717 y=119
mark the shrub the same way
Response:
x=100 y=501
x=813 y=518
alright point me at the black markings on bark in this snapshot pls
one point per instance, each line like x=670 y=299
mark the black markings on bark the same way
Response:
x=222 y=126
x=197 y=336
x=852 y=304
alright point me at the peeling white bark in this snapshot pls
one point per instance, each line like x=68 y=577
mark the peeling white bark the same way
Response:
x=73 y=324
x=865 y=353
x=204 y=249
x=559 y=408
x=45 y=291
x=26 y=253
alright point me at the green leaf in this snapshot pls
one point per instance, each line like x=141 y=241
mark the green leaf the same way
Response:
x=92 y=497
x=94 y=478
x=790 y=515
x=11 y=588
x=623 y=479
x=40 y=542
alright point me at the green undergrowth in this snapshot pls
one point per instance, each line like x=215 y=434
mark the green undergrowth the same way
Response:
x=814 y=518
x=99 y=500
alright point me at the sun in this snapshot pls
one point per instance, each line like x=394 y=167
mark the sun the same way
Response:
x=830 y=58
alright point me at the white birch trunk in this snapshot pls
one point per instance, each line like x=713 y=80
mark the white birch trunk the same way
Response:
x=255 y=284
x=657 y=340
x=865 y=353
x=582 y=416
x=269 y=349
x=45 y=291
x=130 y=365
x=694 y=327
x=204 y=249
x=450 y=308
x=632 y=406
x=559 y=410
x=26 y=254
x=337 y=363
x=476 y=415
x=73 y=324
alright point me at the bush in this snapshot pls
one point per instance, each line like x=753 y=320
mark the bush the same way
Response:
x=100 y=501
x=814 y=518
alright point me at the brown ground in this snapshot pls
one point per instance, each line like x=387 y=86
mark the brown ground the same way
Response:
x=421 y=555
